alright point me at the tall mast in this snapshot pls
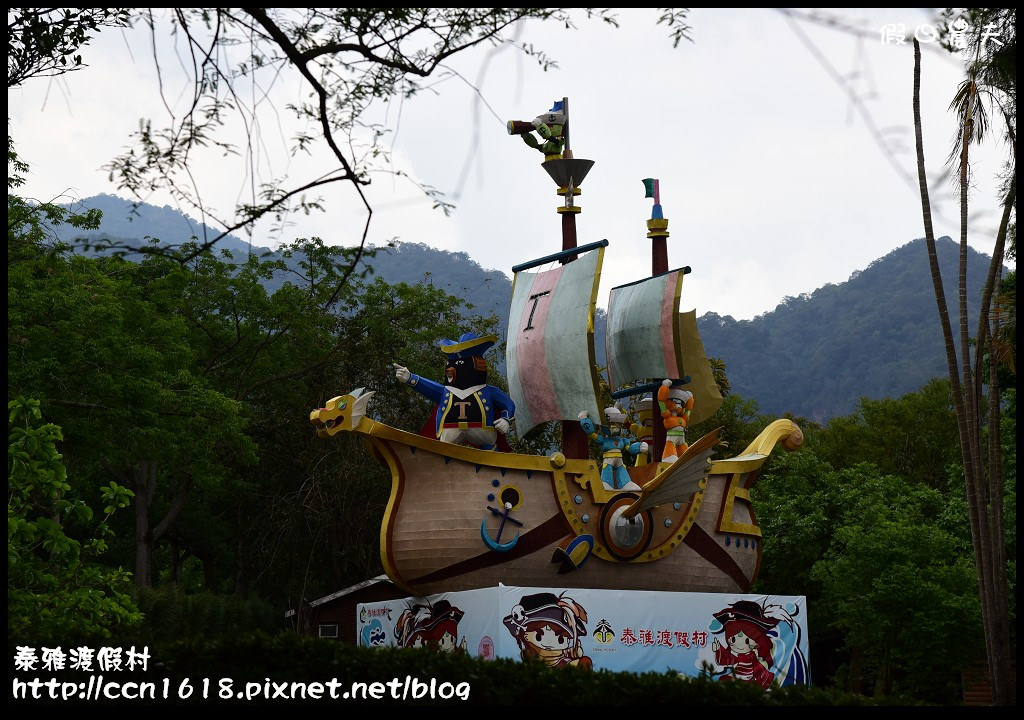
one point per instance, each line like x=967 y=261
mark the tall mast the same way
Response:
x=657 y=231
x=568 y=173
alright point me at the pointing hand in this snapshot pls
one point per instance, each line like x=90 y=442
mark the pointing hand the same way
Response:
x=402 y=374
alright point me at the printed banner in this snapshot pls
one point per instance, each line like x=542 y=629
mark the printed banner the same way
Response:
x=760 y=639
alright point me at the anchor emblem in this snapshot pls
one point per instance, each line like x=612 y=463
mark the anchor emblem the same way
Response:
x=495 y=542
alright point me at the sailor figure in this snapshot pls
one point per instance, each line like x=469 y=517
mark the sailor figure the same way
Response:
x=469 y=411
x=613 y=440
x=676 y=405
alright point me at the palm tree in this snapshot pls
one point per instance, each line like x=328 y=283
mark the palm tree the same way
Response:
x=721 y=378
x=986 y=82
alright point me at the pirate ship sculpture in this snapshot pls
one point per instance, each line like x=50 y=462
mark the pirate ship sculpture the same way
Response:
x=460 y=517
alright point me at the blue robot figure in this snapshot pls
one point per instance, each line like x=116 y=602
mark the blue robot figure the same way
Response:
x=613 y=440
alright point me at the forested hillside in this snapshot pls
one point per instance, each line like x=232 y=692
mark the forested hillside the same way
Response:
x=876 y=335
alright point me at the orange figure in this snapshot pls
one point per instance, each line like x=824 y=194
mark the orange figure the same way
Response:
x=675 y=405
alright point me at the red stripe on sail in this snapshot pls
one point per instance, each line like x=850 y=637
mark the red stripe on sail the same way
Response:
x=531 y=357
x=668 y=319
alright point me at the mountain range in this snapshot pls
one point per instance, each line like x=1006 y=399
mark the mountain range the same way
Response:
x=876 y=335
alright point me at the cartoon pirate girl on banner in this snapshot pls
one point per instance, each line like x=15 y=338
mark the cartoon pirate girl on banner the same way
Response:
x=434 y=626
x=548 y=628
x=747 y=652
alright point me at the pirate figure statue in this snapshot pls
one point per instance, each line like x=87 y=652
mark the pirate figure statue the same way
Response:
x=613 y=440
x=675 y=405
x=551 y=128
x=469 y=411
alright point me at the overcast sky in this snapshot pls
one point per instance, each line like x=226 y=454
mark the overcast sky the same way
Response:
x=775 y=182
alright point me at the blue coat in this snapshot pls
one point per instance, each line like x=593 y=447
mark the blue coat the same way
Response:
x=490 y=404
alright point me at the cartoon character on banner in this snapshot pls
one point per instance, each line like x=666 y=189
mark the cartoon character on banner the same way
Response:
x=642 y=427
x=468 y=411
x=410 y=626
x=442 y=628
x=753 y=643
x=548 y=628
x=675 y=405
x=436 y=627
x=613 y=440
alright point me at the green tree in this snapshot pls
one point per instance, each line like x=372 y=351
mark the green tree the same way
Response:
x=103 y=344
x=883 y=564
x=98 y=343
x=316 y=524
x=44 y=42
x=913 y=436
x=740 y=421
x=56 y=589
x=192 y=384
x=899 y=587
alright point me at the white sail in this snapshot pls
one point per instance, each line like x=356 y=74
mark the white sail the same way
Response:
x=642 y=338
x=550 y=350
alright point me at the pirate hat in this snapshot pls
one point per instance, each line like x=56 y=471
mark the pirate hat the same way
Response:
x=542 y=607
x=615 y=414
x=468 y=345
x=746 y=610
x=443 y=610
x=412 y=622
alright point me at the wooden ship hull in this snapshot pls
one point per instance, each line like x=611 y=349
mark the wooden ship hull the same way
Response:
x=459 y=518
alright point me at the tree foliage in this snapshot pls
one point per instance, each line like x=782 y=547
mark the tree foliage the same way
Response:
x=104 y=345
x=913 y=436
x=56 y=587
x=883 y=564
x=45 y=42
x=858 y=521
x=190 y=382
